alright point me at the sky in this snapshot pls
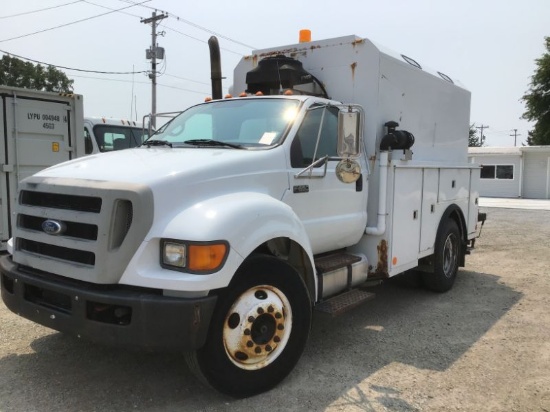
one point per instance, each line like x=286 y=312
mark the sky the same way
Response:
x=489 y=45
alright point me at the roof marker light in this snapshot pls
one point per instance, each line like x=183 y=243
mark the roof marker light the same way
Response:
x=305 y=36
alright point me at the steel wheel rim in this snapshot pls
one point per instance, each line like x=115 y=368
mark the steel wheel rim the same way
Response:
x=257 y=327
x=450 y=255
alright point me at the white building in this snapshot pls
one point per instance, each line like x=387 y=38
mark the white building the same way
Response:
x=513 y=171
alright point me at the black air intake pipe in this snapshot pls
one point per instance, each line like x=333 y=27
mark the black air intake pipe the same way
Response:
x=396 y=139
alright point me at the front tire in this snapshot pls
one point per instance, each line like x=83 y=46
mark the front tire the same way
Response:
x=258 y=331
x=445 y=259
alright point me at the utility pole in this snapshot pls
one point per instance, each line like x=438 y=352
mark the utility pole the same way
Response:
x=153 y=53
x=516 y=134
x=482 y=135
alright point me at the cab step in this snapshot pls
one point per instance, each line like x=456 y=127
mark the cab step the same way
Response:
x=343 y=302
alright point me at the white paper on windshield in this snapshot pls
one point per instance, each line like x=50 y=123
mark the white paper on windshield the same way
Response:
x=268 y=137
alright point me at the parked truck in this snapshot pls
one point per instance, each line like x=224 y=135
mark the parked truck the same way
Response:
x=108 y=134
x=343 y=164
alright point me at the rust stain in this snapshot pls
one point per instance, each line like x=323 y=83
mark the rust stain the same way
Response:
x=381 y=270
x=359 y=41
x=353 y=66
x=278 y=52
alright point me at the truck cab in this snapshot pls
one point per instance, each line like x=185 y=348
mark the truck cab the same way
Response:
x=106 y=134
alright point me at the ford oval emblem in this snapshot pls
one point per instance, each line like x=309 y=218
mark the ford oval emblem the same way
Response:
x=53 y=227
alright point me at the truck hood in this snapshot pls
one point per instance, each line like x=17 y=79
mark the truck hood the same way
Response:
x=152 y=166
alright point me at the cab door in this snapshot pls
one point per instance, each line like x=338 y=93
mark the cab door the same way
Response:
x=334 y=213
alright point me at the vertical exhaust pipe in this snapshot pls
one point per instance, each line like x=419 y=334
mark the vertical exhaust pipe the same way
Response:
x=215 y=68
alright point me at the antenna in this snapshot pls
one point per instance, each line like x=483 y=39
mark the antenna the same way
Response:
x=132 y=96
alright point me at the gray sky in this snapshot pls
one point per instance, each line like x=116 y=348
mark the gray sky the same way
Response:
x=489 y=45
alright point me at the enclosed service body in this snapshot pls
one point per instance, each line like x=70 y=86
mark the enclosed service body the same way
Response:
x=390 y=87
x=342 y=165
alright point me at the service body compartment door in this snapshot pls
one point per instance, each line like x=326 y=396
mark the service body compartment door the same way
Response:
x=406 y=211
x=473 y=205
x=4 y=169
x=37 y=136
x=430 y=213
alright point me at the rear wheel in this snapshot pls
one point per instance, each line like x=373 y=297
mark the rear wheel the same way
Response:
x=445 y=259
x=258 y=331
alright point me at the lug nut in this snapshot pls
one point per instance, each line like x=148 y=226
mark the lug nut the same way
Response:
x=268 y=348
x=270 y=309
x=278 y=315
x=251 y=319
x=247 y=332
x=249 y=344
x=258 y=349
x=276 y=339
x=260 y=310
x=280 y=326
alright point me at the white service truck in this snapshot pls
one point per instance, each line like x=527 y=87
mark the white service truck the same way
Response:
x=343 y=164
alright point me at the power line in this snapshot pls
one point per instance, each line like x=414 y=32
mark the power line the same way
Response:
x=69 y=68
x=184 y=78
x=71 y=23
x=39 y=10
x=191 y=24
x=109 y=8
x=142 y=82
x=202 y=41
x=162 y=25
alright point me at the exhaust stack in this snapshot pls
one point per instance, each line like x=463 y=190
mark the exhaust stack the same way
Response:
x=215 y=68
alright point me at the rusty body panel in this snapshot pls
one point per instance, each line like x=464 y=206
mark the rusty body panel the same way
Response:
x=381 y=270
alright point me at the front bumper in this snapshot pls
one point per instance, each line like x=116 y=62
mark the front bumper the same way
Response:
x=114 y=315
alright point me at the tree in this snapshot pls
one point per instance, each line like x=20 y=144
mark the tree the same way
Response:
x=473 y=139
x=537 y=100
x=18 y=73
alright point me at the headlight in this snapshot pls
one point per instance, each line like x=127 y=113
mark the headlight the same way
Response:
x=193 y=257
x=173 y=254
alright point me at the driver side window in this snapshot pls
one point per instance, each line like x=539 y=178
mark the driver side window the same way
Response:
x=302 y=151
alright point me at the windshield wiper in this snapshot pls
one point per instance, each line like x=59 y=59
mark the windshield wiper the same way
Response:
x=208 y=142
x=155 y=142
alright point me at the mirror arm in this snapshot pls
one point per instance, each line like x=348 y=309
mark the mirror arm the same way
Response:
x=323 y=160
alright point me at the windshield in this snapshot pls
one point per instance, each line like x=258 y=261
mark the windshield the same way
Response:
x=243 y=122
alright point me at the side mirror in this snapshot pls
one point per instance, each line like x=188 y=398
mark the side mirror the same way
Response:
x=349 y=132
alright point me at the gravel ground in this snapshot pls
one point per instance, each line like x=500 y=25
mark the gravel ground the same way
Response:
x=483 y=346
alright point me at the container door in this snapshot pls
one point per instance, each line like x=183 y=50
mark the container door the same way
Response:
x=37 y=136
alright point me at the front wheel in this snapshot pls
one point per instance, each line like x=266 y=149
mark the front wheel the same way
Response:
x=258 y=331
x=445 y=259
